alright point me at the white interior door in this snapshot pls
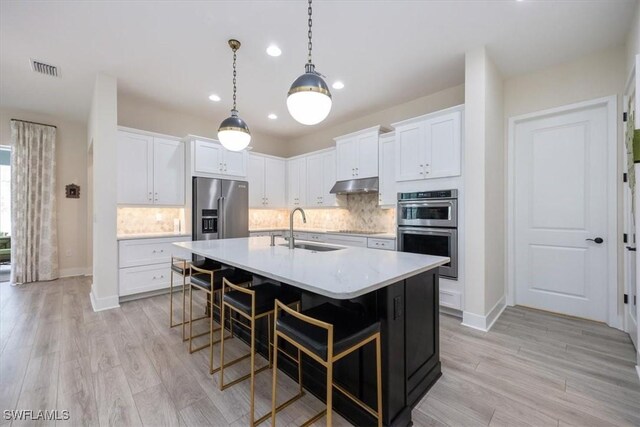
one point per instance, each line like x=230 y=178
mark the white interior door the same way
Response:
x=561 y=177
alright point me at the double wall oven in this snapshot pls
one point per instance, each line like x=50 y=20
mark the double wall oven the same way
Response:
x=428 y=224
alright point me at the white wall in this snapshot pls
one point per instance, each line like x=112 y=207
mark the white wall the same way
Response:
x=484 y=181
x=427 y=104
x=71 y=165
x=102 y=136
x=144 y=114
x=633 y=40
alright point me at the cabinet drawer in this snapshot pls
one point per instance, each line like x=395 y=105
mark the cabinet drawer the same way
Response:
x=386 y=244
x=317 y=237
x=346 y=240
x=135 y=280
x=450 y=299
x=150 y=251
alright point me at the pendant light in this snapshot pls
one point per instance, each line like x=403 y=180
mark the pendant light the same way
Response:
x=309 y=99
x=233 y=132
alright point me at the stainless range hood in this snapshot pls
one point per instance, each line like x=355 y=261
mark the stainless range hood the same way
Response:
x=355 y=186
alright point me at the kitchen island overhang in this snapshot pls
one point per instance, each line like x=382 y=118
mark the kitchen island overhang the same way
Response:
x=398 y=289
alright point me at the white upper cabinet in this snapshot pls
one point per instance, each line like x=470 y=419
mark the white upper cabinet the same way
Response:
x=357 y=154
x=135 y=168
x=150 y=170
x=266 y=176
x=387 y=194
x=321 y=176
x=168 y=171
x=209 y=158
x=297 y=182
x=429 y=146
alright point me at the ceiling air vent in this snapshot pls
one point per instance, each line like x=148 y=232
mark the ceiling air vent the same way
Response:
x=42 y=68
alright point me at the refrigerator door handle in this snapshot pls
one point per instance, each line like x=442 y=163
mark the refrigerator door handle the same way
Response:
x=221 y=217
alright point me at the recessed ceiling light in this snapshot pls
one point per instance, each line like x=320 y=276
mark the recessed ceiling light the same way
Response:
x=274 y=50
x=272 y=116
x=214 y=97
x=337 y=85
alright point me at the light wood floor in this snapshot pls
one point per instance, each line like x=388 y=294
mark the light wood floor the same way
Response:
x=126 y=367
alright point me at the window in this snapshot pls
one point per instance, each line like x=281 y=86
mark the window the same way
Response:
x=5 y=190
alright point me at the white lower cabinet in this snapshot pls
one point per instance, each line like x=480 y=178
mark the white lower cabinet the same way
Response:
x=339 y=239
x=144 y=264
x=385 y=244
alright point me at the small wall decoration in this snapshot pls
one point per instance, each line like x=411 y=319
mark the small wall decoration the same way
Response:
x=72 y=191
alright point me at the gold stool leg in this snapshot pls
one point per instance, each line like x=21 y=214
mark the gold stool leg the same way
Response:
x=211 y=337
x=275 y=378
x=253 y=368
x=190 y=318
x=379 y=379
x=329 y=393
x=171 y=300
x=184 y=297
x=222 y=316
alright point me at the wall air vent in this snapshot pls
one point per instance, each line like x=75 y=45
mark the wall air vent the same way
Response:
x=42 y=68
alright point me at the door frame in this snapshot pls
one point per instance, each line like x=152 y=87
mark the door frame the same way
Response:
x=610 y=102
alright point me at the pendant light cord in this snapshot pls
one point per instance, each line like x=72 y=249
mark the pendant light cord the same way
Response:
x=234 y=79
x=310 y=46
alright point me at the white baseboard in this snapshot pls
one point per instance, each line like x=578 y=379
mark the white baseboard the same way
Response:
x=76 y=271
x=484 y=323
x=638 y=370
x=105 y=303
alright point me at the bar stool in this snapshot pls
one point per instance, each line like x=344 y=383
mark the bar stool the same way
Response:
x=182 y=267
x=327 y=333
x=254 y=303
x=210 y=281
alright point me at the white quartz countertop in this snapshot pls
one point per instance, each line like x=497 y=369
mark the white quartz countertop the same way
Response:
x=151 y=235
x=346 y=273
x=332 y=232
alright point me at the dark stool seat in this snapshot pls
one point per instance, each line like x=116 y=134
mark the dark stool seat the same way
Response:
x=265 y=296
x=349 y=328
x=327 y=333
x=205 y=264
x=203 y=280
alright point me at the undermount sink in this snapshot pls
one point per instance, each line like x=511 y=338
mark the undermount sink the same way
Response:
x=315 y=248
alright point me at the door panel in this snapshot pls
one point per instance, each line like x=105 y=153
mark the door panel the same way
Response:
x=367 y=165
x=409 y=153
x=314 y=180
x=443 y=148
x=347 y=152
x=274 y=178
x=255 y=176
x=328 y=178
x=560 y=201
x=168 y=172
x=235 y=209
x=208 y=157
x=135 y=169
x=235 y=162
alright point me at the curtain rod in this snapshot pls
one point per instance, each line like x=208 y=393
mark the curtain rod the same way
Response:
x=34 y=123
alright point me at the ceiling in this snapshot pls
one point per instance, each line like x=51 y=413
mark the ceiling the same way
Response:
x=175 y=53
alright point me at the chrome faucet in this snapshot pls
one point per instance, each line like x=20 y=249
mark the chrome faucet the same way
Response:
x=292 y=243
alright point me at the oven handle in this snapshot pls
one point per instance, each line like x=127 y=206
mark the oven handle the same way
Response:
x=426 y=231
x=417 y=204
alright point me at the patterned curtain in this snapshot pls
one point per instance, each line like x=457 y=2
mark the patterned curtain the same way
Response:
x=34 y=236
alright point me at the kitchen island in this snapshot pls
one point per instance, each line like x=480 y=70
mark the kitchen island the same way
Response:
x=399 y=289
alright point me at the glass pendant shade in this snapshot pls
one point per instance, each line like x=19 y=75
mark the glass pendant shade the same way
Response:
x=234 y=133
x=309 y=99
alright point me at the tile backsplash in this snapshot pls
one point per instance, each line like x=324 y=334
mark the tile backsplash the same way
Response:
x=360 y=212
x=148 y=220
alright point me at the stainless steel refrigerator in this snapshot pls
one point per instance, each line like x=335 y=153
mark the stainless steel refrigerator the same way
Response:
x=220 y=209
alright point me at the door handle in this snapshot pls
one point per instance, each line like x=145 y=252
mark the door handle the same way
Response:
x=597 y=240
